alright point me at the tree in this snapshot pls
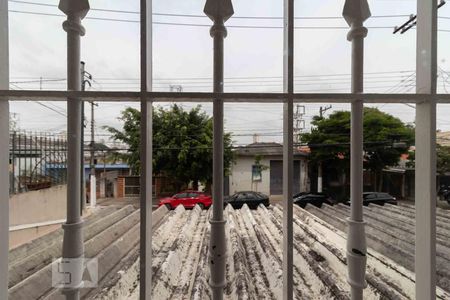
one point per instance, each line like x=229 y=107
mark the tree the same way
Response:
x=442 y=159
x=182 y=143
x=329 y=140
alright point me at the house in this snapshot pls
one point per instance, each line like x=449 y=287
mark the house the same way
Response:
x=443 y=138
x=259 y=167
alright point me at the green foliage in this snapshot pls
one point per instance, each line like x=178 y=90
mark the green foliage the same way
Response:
x=329 y=140
x=443 y=159
x=130 y=135
x=182 y=143
x=258 y=159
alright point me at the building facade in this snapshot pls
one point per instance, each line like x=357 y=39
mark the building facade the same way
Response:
x=259 y=167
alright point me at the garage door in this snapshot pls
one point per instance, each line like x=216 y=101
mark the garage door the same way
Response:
x=276 y=177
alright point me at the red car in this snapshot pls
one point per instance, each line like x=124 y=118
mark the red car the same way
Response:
x=188 y=199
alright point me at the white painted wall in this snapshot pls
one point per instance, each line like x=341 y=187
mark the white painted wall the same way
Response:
x=35 y=213
x=38 y=206
x=241 y=175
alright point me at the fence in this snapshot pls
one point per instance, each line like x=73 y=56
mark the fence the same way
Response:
x=36 y=160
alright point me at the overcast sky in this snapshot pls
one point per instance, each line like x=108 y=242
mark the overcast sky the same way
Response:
x=183 y=57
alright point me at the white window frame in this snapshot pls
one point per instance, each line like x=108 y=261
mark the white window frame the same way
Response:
x=425 y=99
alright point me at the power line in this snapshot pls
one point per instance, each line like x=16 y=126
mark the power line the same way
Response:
x=200 y=25
x=249 y=77
x=42 y=104
x=204 y=16
x=412 y=21
x=38 y=81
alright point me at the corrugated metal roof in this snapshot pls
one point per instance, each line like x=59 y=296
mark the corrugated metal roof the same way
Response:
x=254 y=254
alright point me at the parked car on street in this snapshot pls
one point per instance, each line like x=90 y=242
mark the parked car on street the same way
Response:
x=316 y=199
x=377 y=198
x=252 y=199
x=188 y=199
x=444 y=193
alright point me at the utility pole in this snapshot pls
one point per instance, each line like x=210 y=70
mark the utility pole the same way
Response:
x=176 y=88
x=93 y=188
x=83 y=179
x=299 y=122
x=85 y=77
x=412 y=21
x=322 y=110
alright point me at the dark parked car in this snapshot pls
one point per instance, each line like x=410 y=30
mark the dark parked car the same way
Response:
x=444 y=193
x=252 y=199
x=377 y=198
x=316 y=199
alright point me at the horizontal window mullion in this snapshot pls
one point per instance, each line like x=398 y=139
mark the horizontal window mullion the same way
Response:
x=123 y=96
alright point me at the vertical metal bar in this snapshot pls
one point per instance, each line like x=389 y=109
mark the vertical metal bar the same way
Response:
x=426 y=70
x=355 y=13
x=218 y=12
x=73 y=246
x=146 y=153
x=217 y=250
x=288 y=146
x=4 y=152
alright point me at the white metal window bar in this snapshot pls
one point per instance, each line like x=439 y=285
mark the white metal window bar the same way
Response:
x=146 y=153
x=4 y=152
x=425 y=194
x=425 y=98
x=288 y=148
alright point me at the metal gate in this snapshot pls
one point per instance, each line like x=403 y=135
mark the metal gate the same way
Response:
x=276 y=177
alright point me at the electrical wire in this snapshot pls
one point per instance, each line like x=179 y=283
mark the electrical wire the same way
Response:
x=204 y=16
x=209 y=79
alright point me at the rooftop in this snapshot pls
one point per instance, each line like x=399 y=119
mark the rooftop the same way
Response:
x=254 y=256
x=265 y=149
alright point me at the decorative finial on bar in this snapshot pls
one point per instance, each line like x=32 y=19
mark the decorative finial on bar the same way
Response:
x=218 y=10
x=356 y=11
x=74 y=9
x=79 y=8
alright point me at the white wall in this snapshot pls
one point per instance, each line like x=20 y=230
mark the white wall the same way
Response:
x=40 y=207
x=241 y=175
